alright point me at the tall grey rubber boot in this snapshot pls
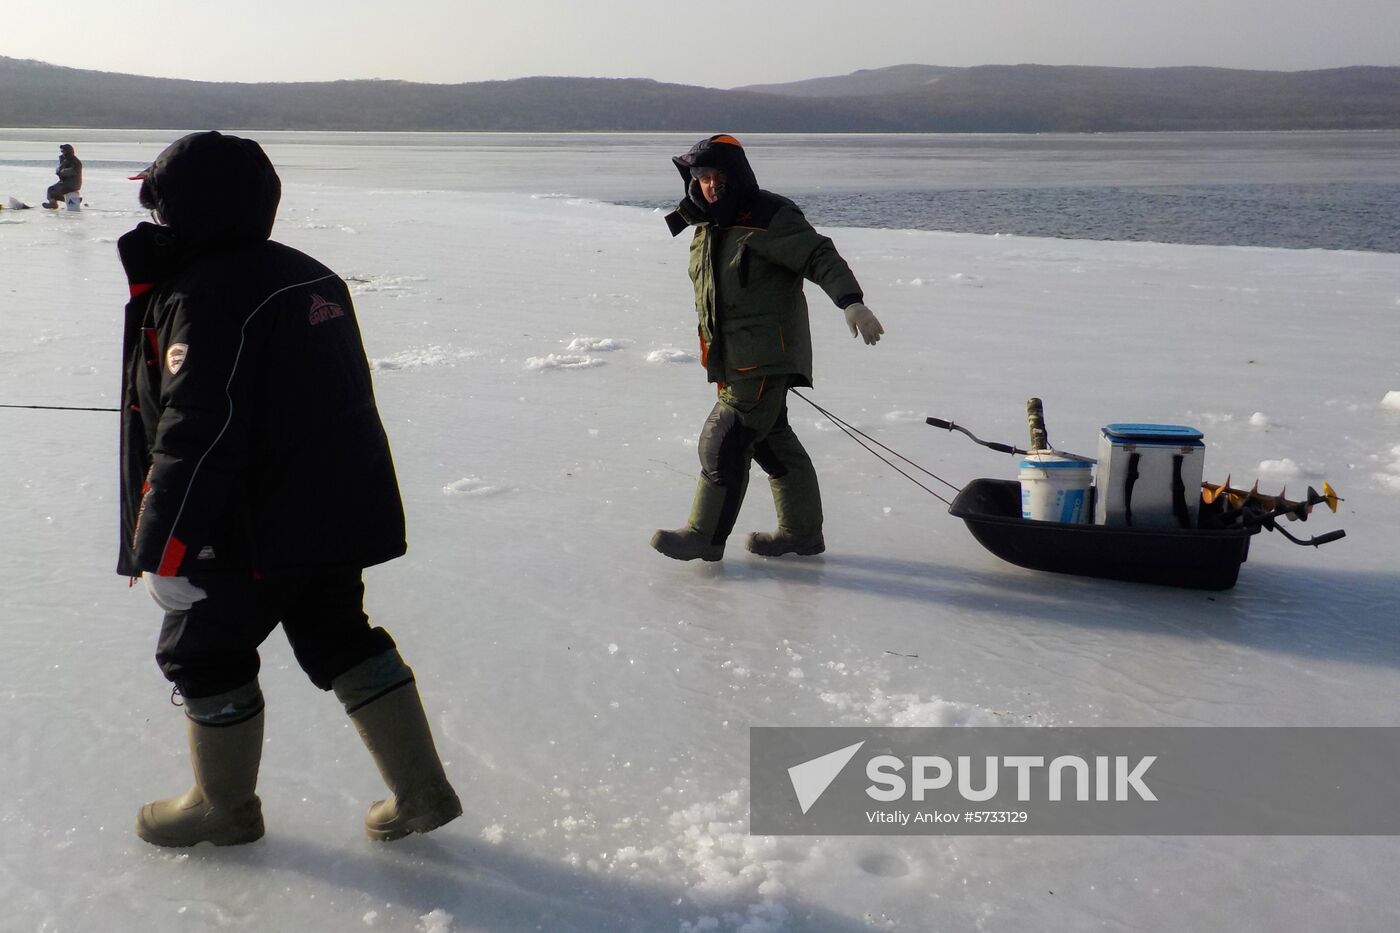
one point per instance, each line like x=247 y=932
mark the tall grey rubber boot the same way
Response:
x=395 y=730
x=221 y=807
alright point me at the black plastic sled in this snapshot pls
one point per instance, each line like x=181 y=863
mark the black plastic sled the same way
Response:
x=1195 y=558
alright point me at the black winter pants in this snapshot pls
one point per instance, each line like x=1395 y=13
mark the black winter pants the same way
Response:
x=212 y=647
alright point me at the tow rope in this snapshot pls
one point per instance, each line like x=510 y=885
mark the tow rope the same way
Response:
x=860 y=437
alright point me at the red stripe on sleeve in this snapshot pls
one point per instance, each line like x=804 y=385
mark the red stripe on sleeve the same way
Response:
x=171 y=560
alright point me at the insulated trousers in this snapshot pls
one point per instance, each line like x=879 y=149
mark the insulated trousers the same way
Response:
x=750 y=423
x=212 y=647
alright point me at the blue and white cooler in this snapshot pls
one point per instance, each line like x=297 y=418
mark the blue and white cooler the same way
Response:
x=1149 y=475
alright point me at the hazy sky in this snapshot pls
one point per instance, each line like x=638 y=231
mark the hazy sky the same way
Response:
x=718 y=43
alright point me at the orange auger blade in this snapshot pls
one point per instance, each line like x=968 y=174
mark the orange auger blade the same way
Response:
x=1284 y=506
x=1212 y=491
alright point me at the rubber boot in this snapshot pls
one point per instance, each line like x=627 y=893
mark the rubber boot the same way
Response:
x=395 y=730
x=780 y=542
x=712 y=517
x=798 y=501
x=221 y=807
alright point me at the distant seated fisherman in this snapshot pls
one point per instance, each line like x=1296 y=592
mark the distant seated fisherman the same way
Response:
x=749 y=255
x=70 y=177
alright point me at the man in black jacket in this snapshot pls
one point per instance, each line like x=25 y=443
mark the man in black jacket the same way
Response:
x=257 y=483
x=70 y=177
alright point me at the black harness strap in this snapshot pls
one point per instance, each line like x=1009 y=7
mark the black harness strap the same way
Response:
x=1183 y=517
x=1128 y=485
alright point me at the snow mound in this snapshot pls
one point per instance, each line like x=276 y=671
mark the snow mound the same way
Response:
x=713 y=841
x=435 y=921
x=670 y=355
x=1259 y=420
x=396 y=285
x=418 y=358
x=758 y=918
x=472 y=486
x=1284 y=468
x=907 y=709
x=1390 y=479
x=563 y=361
x=1391 y=401
x=597 y=344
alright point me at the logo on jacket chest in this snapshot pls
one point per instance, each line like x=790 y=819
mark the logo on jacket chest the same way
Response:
x=323 y=311
x=175 y=357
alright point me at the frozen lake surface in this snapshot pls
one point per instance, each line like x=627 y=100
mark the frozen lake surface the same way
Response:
x=535 y=368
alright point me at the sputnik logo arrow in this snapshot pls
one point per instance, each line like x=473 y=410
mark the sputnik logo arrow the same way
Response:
x=811 y=778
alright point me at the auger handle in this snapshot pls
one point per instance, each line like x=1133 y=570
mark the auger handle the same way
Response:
x=1035 y=420
x=990 y=445
x=1320 y=540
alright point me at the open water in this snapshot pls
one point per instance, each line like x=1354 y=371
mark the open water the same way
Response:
x=1321 y=190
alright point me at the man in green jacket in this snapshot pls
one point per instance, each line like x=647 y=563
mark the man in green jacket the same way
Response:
x=750 y=253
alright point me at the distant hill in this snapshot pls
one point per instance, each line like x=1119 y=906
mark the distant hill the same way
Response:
x=1043 y=98
x=904 y=98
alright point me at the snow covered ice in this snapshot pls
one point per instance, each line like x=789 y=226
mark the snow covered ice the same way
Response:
x=535 y=366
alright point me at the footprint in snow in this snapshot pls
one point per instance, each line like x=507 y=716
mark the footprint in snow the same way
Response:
x=883 y=865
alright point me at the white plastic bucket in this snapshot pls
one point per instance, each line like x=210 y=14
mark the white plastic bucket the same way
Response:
x=1055 y=488
x=73 y=200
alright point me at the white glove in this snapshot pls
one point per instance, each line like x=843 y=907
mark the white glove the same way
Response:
x=862 y=322
x=173 y=594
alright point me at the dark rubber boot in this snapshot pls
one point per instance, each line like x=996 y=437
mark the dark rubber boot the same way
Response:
x=686 y=544
x=780 y=542
x=711 y=519
x=221 y=807
x=395 y=730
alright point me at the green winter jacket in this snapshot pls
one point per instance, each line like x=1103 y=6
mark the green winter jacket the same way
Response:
x=749 y=255
x=748 y=290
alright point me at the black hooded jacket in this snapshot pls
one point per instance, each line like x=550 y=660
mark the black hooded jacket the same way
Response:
x=250 y=439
